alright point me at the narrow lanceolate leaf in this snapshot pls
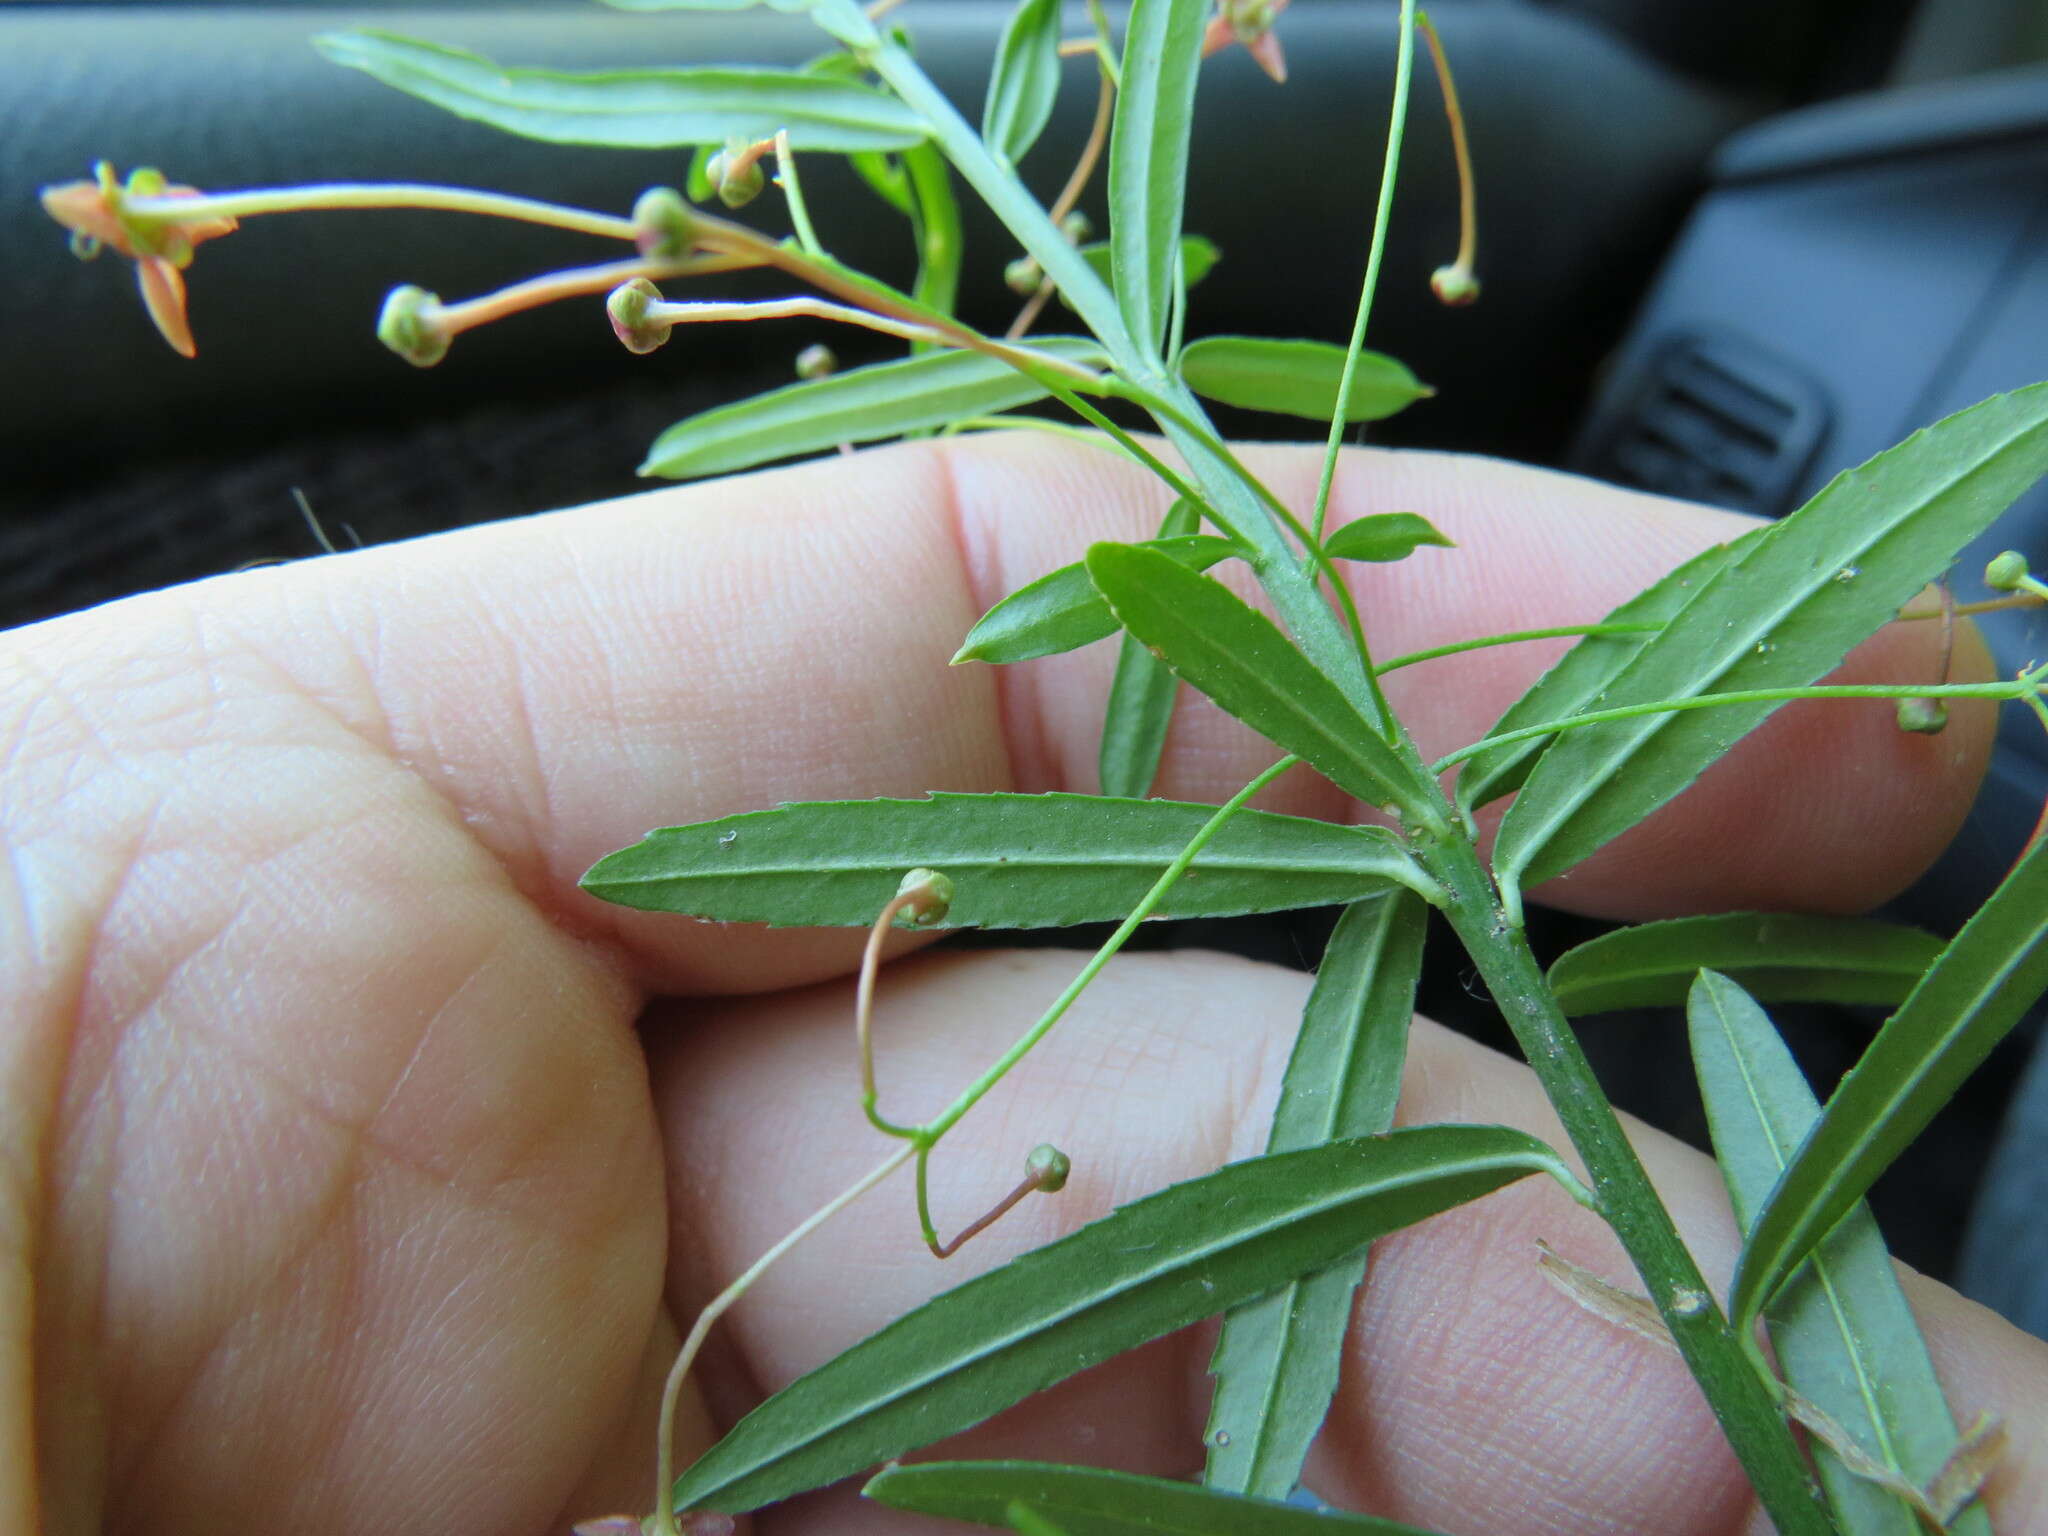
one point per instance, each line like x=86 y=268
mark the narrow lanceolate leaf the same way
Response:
x=1846 y=1340
x=633 y=108
x=1276 y=1360
x=1779 y=615
x=1970 y=997
x=1779 y=957
x=1297 y=378
x=1062 y=611
x=1383 y=536
x=1087 y=1501
x=1143 y=692
x=1197 y=256
x=1016 y=861
x=1239 y=658
x=1581 y=673
x=1143 y=1271
x=843 y=19
x=1026 y=79
x=1148 y=158
x=862 y=405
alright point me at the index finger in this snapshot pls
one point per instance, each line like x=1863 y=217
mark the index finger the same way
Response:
x=570 y=681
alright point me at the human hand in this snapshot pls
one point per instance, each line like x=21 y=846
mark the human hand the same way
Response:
x=351 y=1191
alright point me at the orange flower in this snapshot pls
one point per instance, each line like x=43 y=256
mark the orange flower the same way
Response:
x=98 y=213
x=1249 y=22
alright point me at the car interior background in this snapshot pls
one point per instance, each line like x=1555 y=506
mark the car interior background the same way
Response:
x=1729 y=247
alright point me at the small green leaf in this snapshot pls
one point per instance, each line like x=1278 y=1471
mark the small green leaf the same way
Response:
x=633 y=108
x=862 y=405
x=1026 y=80
x=1276 y=1359
x=1148 y=158
x=1382 y=537
x=1779 y=615
x=1150 y=1267
x=1777 y=956
x=1240 y=658
x=1143 y=692
x=1581 y=673
x=1087 y=1501
x=1965 y=1004
x=1198 y=255
x=1297 y=378
x=1016 y=861
x=1843 y=1333
x=885 y=177
x=1062 y=611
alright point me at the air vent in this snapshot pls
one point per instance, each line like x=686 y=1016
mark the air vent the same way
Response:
x=1712 y=418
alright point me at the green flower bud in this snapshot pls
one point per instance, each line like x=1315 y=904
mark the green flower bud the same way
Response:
x=1023 y=275
x=627 y=307
x=1923 y=717
x=664 y=227
x=1454 y=286
x=931 y=896
x=2006 y=571
x=410 y=325
x=1076 y=227
x=1050 y=1166
x=816 y=362
x=735 y=187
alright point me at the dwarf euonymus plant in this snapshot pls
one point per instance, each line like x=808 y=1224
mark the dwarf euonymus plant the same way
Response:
x=1649 y=697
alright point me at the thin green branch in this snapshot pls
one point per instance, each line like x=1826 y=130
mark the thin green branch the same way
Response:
x=1404 y=74
x=950 y=1116
x=2024 y=686
x=793 y=194
x=1515 y=637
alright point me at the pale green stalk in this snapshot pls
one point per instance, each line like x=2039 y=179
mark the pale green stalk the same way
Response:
x=1404 y=74
x=2024 y=686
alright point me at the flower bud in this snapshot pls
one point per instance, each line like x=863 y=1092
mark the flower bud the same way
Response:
x=627 y=307
x=1923 y=717
x=1076 y=227
x=816 y=362
x=1050 y=1166
x=735 y=176
x=2006 y=572
x=664 y=228
x=410 y=325
x=931 y=896
x=1454 y=286
x=1023 y=275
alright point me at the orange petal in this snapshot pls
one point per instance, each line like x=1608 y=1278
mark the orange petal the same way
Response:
x=163 y=291
x=1266 y=49
x=82 y=206
x=1217 y=36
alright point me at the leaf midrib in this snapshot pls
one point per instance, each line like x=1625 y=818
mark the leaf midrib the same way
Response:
x=1652 y=725
x=1181 y=1258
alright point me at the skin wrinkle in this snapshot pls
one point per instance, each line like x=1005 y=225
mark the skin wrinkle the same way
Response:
x=983 y=575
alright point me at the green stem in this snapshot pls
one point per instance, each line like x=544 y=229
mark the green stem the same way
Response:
x=793 y=194
x=1404 y=73
x=2018 y=688
x=1739 y=1397
x=348 y=194
x=1515 y=637
x=939 y=243
x=950 y=1116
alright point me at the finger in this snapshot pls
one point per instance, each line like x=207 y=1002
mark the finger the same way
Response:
x=568 y=682
x=1475 y=1398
